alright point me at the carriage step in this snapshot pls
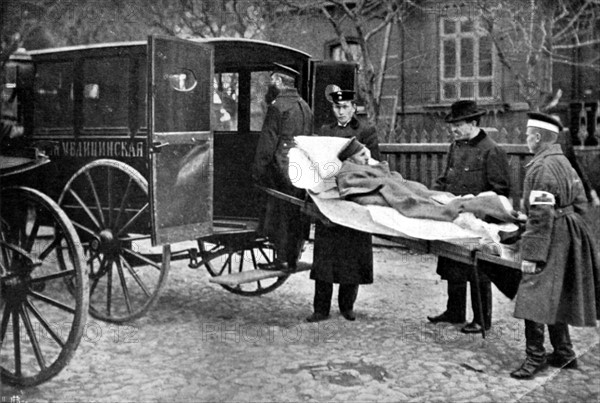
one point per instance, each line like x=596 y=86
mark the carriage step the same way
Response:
x=254 y=275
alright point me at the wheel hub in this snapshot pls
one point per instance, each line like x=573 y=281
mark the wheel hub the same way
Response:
x=16 y=287
x=106 y=243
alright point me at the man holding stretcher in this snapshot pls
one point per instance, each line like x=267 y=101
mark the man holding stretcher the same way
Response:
x=475 y=164
x=342 y=255
x=561 y=262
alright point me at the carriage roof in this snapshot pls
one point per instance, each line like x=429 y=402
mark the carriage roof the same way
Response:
x=227 y=52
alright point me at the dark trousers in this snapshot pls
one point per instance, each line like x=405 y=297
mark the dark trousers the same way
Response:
x=559 y=338
x=347 y=294
x=287 y=228
x=457 y=300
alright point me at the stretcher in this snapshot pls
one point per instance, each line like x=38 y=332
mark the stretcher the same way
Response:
x=312 y=167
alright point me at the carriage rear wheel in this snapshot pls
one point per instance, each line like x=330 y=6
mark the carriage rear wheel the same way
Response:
x=108 y=203
x=43 y=305
x=227 y=255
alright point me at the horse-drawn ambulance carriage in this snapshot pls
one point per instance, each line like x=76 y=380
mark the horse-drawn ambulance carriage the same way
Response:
x=150 y=147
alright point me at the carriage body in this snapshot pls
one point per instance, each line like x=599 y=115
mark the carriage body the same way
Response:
x=151 y=146
x=122 y=102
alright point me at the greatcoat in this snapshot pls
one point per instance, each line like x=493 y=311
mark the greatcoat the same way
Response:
x=288 y=116
x=343 y=255
x=567 y=290
x=473 y=166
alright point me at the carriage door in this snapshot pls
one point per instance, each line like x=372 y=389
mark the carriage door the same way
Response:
x=181 y=142
x=324 y=73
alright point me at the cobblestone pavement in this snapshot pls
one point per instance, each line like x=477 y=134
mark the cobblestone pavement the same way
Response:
x=202 y=343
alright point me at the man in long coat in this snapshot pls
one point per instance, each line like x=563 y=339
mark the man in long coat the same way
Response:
x=475 y=164
x=342 y=255
x=287 y=116
x=561 y=262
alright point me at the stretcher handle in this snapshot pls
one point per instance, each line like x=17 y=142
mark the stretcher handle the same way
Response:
x=306 y=206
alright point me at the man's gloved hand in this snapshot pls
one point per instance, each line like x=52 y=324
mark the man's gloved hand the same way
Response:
x=595 y=199
x=518 y=216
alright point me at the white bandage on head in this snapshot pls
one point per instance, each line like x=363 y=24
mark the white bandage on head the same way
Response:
x=542 y=125
x=538 y=197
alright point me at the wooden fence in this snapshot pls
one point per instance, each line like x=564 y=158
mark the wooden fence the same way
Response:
x=424 y=161
x=441 y=134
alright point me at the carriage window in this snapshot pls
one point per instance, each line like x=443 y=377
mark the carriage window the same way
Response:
x=225 y=102
x=140 y=97
x=260 y=81
x=105 y=90
x=53 y=101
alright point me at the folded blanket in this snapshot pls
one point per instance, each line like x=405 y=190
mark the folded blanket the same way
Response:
x=377 y=185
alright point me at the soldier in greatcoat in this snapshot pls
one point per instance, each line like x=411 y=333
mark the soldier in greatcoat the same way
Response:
x=288 y=115
x=475 y=164
x=342 y=255
x=561 y=262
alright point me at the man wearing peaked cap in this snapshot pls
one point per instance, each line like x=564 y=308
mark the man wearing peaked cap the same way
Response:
x=560 y=283
x=544 y=121
x=288 y=116
x=474 y=164
x=342 y=255
x=341 y=95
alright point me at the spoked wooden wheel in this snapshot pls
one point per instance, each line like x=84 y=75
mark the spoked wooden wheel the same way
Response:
x=108 y=203
x=234 y=254
x=43 y=304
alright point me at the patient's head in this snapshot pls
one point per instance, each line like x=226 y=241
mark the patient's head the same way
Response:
x=354 y=151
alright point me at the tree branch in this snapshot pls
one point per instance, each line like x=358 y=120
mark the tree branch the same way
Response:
x=571 y=22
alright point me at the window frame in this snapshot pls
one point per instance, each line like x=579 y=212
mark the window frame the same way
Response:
x=457 y=36
x=334 y=44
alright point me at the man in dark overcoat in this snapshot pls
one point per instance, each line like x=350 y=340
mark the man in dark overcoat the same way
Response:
x=342 y=255
x=475 y=164
x=287 y=116
x=561 y=262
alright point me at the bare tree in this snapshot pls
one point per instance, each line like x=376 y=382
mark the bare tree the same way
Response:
x=50 y=23
x=532 y=36
x=362 y=20
x=205 y=19
x=19 y=19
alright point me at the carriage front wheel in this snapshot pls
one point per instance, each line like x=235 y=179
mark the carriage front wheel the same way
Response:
x=43 y=304
x=108 y=202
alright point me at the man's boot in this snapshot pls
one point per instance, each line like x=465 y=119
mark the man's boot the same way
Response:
x=456 y=306
x=534 y=348
x=485 y=290
x=563 y=355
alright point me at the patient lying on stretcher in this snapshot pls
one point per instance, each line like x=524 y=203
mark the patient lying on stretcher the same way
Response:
x=367 y=182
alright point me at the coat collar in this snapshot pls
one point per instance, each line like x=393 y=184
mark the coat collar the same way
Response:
x=475 y=140
x=288 y=92
x=353 y=124
x=554 y=149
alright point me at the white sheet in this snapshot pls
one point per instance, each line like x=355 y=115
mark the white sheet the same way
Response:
x=385 y=220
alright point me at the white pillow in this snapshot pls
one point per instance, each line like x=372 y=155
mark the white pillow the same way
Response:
x=301 y=171
x=314 y=163
x=323 y=152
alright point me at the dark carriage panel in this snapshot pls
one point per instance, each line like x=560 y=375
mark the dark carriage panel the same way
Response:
x=235 y=193
x=179 y=123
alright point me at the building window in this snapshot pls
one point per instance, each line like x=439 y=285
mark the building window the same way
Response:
x=337 y=53
x=467 y=61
